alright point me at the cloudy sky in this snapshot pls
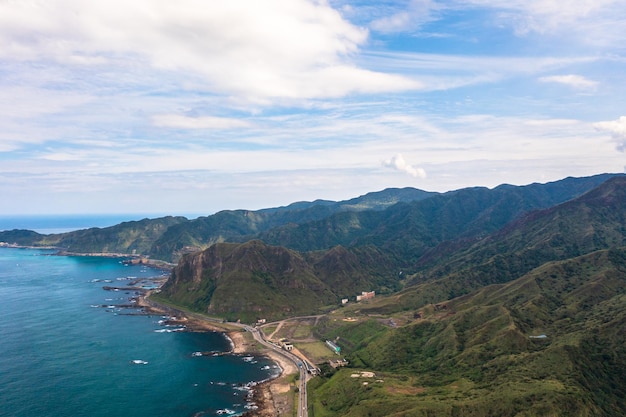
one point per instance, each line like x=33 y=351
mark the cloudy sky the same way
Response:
x=193 y=106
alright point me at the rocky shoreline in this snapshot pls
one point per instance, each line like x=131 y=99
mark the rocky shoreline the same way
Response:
x=263 y=392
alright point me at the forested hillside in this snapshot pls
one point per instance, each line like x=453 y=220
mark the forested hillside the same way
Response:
x=489 y=302
x=549 y=343
x=168 y=238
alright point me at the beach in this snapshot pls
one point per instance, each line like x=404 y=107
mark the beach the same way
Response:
x=272 y=397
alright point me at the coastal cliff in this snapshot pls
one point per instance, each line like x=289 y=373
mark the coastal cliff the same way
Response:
x=247 y=281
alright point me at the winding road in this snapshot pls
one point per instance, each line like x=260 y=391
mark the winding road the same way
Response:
x=302 y=397
x=259 y=337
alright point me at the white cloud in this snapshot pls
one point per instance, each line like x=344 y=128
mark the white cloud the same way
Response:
x=206 y=122
x=552 y=123
x=591 y=22
x=417 y=13
x=252 y=95
x=397 y=162
x=270 y=49
x=617 y=129
x=598 y=22
x=572 y=80
x=443 y=72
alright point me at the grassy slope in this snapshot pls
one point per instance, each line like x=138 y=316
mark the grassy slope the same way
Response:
x=475 y=357
x=247 y=281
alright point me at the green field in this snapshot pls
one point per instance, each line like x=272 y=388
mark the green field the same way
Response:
x=316 y=351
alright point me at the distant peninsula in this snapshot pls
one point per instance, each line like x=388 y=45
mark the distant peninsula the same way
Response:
x=476 y=302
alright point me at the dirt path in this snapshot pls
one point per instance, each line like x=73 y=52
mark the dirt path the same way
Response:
x=280 y=324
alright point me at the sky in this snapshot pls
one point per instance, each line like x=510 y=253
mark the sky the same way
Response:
x=195 y=106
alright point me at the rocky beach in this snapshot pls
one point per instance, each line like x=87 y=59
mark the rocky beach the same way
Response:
x=271 y=397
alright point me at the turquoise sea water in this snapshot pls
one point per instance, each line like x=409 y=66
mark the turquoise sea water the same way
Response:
x=67 y=350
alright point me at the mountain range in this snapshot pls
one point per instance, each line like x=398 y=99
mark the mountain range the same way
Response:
x=508 y=301
x=396 y=240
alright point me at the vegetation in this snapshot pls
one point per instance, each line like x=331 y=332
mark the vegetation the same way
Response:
x=402 y=222
x=134 y=237
x=503 y=302
x=549 y=343
x=247 y=282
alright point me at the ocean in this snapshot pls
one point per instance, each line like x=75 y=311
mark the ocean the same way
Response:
x=61 y=223
x=68 y=347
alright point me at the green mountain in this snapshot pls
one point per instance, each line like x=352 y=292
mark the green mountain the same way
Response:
x=134 y=237
x=541 y=334
x=410 y=230
x=593 y=221
x=219 y=278
x=20 y=237
x=168 y=238
x=538 y=330
x=243 y=225
x=246 y=281
x=406 y=223
x=490 y=302
x=253 y=280
x=549 y=343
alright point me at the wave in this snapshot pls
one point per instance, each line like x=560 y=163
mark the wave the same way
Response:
x=178 y=329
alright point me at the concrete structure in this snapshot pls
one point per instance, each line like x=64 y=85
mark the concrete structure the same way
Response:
x=365 y=295
x=285 y=344
x=333 y=347
x=337 y=363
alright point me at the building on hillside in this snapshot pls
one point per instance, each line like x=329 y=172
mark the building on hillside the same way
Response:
x=337 y=363
x=333 y=347
x=365 y=295
x=285 y=344
x=344 y=301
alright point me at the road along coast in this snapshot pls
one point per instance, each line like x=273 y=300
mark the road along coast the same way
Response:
x=272 y=397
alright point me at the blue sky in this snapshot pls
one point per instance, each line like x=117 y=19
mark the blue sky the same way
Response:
x=154 y=106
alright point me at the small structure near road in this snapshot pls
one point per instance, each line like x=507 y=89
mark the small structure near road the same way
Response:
x=337 y=363
x=333 y=347
x=285 y=344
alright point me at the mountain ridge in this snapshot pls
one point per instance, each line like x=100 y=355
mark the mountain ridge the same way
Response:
x=179 y=235
x=548 y=343
x=501 y=256
x=500 y=302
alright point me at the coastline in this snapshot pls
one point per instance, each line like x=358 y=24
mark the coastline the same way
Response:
x=131 y=258
x=265 y=393
x=272 y=397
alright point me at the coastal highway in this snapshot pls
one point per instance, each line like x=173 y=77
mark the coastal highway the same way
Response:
x=259 y=337
x=302 y=397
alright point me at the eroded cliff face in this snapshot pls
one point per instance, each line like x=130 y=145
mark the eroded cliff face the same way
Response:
x=192 y=266
x=247 y=280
